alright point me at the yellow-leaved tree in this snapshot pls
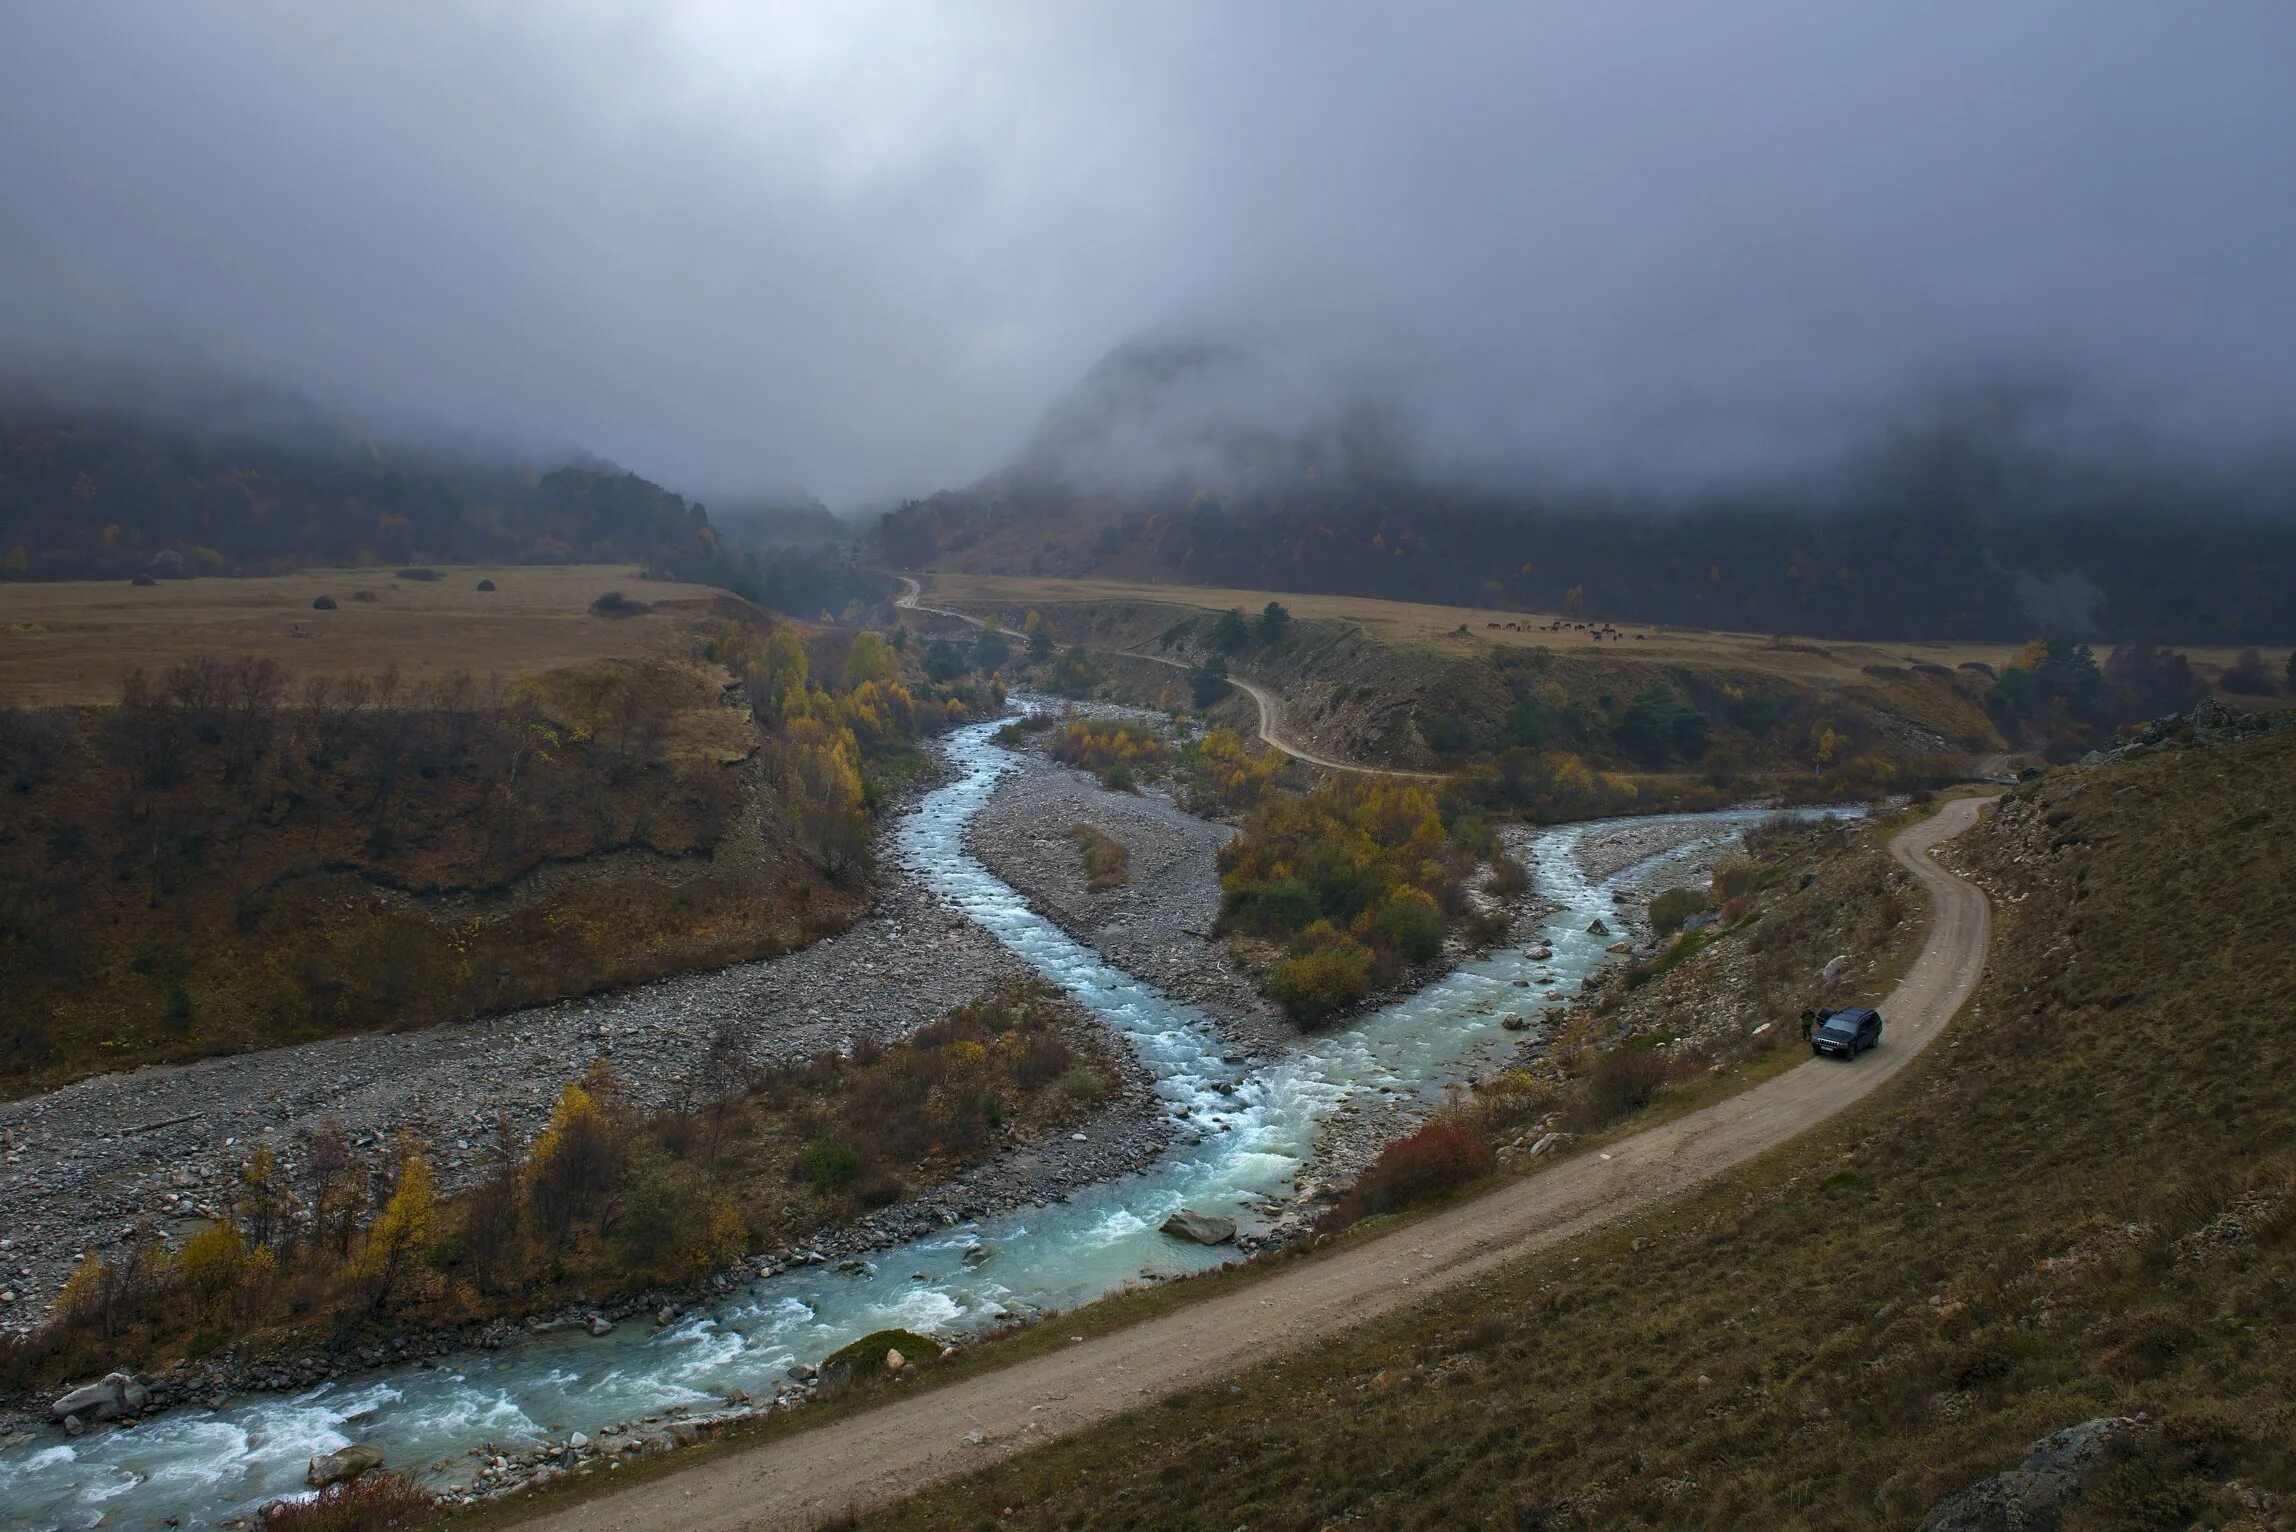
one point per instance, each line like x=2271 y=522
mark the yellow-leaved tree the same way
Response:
x=399 y=1241
x=570 y=1169
x=871 y=659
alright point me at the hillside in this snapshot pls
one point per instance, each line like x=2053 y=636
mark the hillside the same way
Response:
x=2075 y=1210
x=91 y=492
x=233 y=821
x=1188 y=465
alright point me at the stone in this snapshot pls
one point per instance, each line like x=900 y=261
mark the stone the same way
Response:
x=1619 y=949
x=117 y=1394
x=578 y=1441
x=894 y=1361
x=1203 y=1228
x=1549 y=1143
x=342 y=1464
x=1595 y=927
x=2036 y=1493
x=601 y=1325
x=1513 y=1022
x=1833 y=970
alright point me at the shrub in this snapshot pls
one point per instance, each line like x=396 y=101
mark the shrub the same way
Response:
x=829 y=1168
x=373 y=1502
x=1671 y=908
x=1106 y=860
x=421 y=576
x=1626 y=1080
x=1509 y=878
x=1412 y=925
x=615 y=604
x=1438 y=1157
x=1207 y=684
x=1282 y=906
x=1081 y=1082
x=1315 y=985
x=322 y=603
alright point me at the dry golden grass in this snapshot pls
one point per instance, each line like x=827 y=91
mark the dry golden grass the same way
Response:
x=1407 y=622
x=69 y=642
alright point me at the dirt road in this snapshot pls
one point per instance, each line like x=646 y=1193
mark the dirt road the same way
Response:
x=880 y=1456
x=1270 y=706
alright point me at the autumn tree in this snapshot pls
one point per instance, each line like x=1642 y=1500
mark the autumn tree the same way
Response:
x=570 y=1169
x=264 y=1200
x=871 y=659
x=400 y=1239
x=492 y=1215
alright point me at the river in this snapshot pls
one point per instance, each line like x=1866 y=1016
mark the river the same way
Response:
x=1245 y=1136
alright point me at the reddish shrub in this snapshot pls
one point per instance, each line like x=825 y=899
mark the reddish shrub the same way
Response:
x=372 y=1502
x=1439 y=1156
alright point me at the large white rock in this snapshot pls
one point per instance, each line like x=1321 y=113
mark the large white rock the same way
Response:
x=1203 y=1228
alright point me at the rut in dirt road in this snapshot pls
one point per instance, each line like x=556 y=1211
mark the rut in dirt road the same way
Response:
x=880 y=1456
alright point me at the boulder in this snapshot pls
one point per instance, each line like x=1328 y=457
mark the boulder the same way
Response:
x=1833 y=969
x=342 y=1464
x=1513 y=1022
x=486 y=585
x=601 y=1325
x=894 y=1361
x=143 y=579
x=118 y=1394
x=322 y=603
x=1619 y=948
x=1203 y=1228
x=2036 y=1493
x=1595 y=927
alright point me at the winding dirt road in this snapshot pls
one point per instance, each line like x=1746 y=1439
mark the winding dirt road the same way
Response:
x=1271 y=707
x=874 y=1458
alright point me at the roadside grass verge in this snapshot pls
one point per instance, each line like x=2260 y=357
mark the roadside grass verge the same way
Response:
x=2077 y=1204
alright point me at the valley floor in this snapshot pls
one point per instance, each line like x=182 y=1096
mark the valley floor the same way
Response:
x=883 y=1455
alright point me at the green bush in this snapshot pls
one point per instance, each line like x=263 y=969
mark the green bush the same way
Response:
x=1283 y=906
x=1671 y=908
x=1316 y=984
x=829 y=1168
x=1412 y=925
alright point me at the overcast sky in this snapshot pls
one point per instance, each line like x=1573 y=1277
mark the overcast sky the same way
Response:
x=862 y=247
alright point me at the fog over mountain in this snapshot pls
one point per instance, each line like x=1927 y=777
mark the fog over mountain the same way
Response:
x=866 y=248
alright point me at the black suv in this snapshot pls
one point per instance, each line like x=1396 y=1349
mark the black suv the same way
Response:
x=1846 y=1034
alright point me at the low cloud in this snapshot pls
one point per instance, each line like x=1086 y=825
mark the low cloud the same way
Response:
x=866 y=248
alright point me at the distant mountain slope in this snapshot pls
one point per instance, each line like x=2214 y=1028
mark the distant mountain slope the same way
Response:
x=1167 y=464
x=88 y=492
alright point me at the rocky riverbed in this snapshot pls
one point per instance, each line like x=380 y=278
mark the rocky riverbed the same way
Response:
x=110 y=1159
x=1158 y=923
